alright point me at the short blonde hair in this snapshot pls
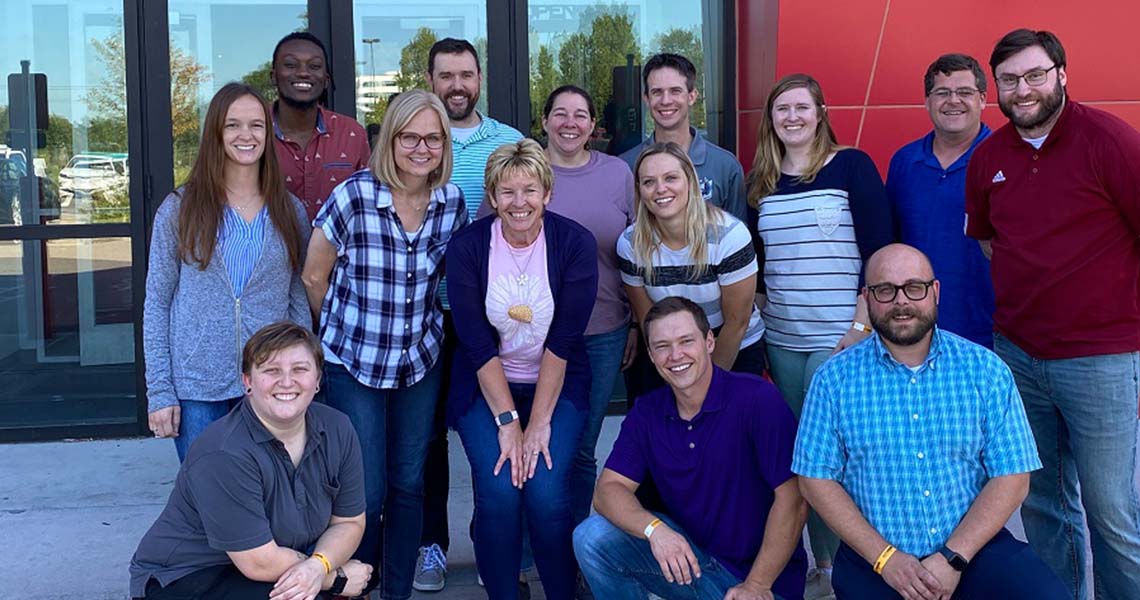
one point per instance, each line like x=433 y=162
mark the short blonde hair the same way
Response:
x=402 y=109
x=525 y=156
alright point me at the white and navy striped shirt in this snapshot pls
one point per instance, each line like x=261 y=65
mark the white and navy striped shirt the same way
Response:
x=381 y=317
x=813 y=259
x=731 y=258
x=240 y=244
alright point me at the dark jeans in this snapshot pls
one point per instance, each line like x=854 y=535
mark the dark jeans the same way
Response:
x=196 y=415
x=223 y=582
x=545 y=500
x=393 y=426
x=1004 y=568
x=437 y=470
x=605 y=351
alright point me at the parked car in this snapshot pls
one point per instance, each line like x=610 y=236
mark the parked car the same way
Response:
x=91 y=174
x=13 y=167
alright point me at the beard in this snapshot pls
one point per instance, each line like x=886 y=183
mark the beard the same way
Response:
x=299 y=104
x=1050 y=104
x=923 y=323
x=463 y=113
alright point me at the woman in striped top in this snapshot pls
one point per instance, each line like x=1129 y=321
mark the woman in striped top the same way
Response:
x=681 y=245
x=225 y=260
x=822 y=212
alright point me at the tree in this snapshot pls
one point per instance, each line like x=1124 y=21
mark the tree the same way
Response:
x=414 y=61
x=544 y=78
x=587 y=58
x=687 y=43
x=259 y=80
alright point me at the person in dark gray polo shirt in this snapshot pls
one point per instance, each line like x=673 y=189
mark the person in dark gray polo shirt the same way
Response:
x=670 y=82
x=270 y=497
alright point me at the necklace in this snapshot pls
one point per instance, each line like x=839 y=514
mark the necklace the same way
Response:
x=521 y=278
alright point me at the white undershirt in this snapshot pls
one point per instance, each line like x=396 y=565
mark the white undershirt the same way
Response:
x=1035 y=142
x=460 y=134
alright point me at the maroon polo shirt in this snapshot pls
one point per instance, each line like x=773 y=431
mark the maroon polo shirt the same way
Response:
x=1064 y=222
x=338 y=148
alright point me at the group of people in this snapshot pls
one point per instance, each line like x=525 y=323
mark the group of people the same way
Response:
x=459 y=275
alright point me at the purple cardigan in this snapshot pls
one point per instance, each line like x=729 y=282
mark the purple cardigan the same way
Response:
x=572 y=264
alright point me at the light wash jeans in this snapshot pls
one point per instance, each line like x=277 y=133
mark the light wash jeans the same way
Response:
x=1083 y=414
x=196 y=416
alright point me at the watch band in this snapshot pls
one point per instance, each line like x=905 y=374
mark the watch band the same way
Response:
x=956 y=561
x=338 y=584
x=507 y=417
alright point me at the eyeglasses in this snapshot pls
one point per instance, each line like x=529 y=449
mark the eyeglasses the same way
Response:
x=1033 y=78
x=944 y=94
x=409 y=140
x=913 y=290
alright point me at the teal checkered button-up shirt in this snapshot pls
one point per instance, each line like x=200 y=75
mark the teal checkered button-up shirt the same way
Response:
x=914 y=447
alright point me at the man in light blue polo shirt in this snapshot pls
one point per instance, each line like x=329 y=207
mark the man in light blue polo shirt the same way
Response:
x=926 y=185
x=454 y=75
x=670 y=84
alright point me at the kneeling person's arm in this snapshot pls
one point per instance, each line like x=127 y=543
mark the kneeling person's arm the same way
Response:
x=782 y=533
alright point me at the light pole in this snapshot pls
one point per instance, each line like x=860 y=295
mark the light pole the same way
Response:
x=372 y=55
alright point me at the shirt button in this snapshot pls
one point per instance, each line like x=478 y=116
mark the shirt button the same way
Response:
x=692 y=445
x=912 y=379
x=1035 y=157
x=914 y=416
x=926 y=493
x=933 y=531
x=409 y=274
x=405 y=350
x=690 y=427
x=921 y=455
x=408 y=301
x=1034 y=169
x=409 y=249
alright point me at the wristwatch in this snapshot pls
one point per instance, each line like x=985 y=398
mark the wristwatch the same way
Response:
x=338 y=584
x=507 y=417
x=957 y=562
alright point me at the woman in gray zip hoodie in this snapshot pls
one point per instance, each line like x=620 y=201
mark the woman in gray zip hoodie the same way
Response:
x=225 y=260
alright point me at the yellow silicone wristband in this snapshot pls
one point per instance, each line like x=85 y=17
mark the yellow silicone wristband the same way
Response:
x=885 y=556
x=324 y=561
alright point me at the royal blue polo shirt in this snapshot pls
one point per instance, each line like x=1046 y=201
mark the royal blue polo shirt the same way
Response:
x=718 y=472
x=929 y=205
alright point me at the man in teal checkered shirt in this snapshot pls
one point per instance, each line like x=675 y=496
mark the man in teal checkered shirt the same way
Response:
x=915 y=449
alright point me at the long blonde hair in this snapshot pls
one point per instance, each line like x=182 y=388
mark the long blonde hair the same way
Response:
x=770 y=150
x=699 y=216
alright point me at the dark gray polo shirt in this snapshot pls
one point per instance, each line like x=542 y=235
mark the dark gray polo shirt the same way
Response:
x=238 y=490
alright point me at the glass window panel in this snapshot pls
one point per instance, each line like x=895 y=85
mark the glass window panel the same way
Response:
x=601 y=47
x=213 y=43
x=78 y=150
x=67 y=353
x=393 y=38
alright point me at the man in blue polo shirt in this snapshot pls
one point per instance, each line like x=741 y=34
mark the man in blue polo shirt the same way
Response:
x=454 y=75
x=915 y=449
x=718 y=446
x=927 y=188
x=670 y=89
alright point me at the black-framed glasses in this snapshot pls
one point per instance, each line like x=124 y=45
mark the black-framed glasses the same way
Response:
x=1034 y=78
x=913 y=290
x=409 y=140
x=964 y=93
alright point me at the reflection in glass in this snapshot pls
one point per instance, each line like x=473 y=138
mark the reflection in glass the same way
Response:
x=77 y=152
x=393 y=40
x=66 y=332
x=213 y=43
x=601 y=48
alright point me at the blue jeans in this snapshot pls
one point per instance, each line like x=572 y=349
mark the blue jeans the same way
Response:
x=1083 y=414
x=605 y=351
x=394 y=426
x=619 y=566
x=545 y=499
x=195 y=417
x=1004 y=568
x=792 y=371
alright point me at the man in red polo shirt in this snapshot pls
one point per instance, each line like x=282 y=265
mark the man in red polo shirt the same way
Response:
x=1054 y=195
x=316 y=147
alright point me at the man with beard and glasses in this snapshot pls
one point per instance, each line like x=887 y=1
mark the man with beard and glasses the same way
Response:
x=915 y=449
x=1055 y=196
x=455 y=76
x=316 y=147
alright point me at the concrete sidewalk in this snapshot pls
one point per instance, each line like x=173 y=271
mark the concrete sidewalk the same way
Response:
x=72 y=513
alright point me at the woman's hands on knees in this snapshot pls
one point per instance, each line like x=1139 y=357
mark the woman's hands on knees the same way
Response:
x=511 y=449
x=536 y=442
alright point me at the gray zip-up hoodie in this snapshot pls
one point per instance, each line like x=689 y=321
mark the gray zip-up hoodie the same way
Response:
x=193 y=326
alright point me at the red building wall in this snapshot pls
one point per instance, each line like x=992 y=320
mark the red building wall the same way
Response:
x=870 y=55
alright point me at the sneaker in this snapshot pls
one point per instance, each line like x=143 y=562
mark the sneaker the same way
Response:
x=431 y=569
x=818 y=586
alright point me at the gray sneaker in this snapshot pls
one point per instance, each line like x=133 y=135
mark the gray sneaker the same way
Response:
x=431 y=569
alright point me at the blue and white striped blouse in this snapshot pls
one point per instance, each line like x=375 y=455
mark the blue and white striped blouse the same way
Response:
x=240 y=244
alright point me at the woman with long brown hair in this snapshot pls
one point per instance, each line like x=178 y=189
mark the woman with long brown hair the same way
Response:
x=823 y=210
x=225 y=260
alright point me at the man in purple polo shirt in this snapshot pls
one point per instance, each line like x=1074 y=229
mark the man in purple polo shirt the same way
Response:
x=1054 y=195
x=719 y=446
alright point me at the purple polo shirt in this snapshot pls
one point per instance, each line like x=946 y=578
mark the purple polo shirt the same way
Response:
x=717 y=473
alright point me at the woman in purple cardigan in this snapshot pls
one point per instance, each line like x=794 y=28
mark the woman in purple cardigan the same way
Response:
x=522 y=285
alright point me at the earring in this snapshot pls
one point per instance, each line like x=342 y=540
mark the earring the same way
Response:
x=248 y=391
x=317 y=390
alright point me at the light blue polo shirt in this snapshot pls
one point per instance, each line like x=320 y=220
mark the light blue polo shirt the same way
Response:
x=720 y=174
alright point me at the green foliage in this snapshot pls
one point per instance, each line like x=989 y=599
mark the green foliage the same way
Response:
x=544 y=79
x=376 y=112
x=259 y=80
x=414 y=61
